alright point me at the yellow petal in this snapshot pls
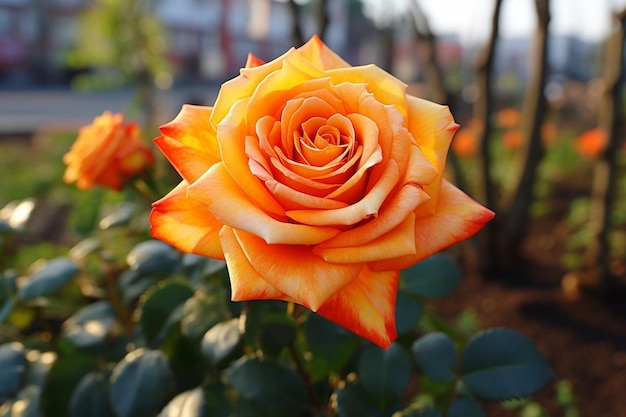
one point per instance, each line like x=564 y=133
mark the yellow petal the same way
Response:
x=366 y=306
x=246 y=283
x=192 y=129
x=320 y=55
x=457 y=218
x=400 y=241
x=185 y=224
x=433 y=127
x=219 y=193
x=232 y=140
x=386 y=88
x=295 y=271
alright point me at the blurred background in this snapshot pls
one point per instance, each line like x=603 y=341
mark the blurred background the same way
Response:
x=536 y=85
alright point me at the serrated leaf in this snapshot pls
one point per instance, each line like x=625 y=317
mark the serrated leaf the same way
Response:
x=91 y=396
x=187 y=404
x=221 y=340
x=384 y=373
x=435 y=276
x=52 y=275
x=502 y=364
x=141 y=384
x=435 y=355
x=465 y=407
x=153 y=257
x=351 y=400
x=90 y=325
x=408 y=312
x=276 y=390
x=331 y=346
x=12 y=369
x=157 y=307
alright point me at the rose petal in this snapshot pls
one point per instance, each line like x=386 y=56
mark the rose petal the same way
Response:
x=189 y=141
x=385 y=87
x=246 y=283
x=316 y=52
x=295 y=271
x=399 y=206
x=366 y=207
x=400 y=241
x=221 y=195
x=232 y=140
x=185 y=224
x=292 y=199
x=457 y=218
x=366 y=306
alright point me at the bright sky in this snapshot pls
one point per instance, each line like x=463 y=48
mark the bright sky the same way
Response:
x=589 y=19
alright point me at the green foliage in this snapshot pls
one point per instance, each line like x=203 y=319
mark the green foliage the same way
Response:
x=130 y=43
x=119 y=324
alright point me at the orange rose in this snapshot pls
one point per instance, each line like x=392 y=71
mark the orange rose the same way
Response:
x=107 y=152
x=317 y=182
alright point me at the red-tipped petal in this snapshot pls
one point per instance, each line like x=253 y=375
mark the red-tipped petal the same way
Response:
x=366 y=306
x=186 y=224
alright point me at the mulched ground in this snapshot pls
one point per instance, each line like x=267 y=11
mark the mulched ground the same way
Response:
x=582 y=337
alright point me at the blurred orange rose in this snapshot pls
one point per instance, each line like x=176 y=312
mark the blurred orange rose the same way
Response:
x=465 y=141
x=107 y=152
x=591 y=142
x=317 y=182
x=509 y=118
x=513 y=139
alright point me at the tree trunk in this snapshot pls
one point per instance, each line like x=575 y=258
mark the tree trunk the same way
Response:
x=513 y=224
x=605 y=172
x=296 y=29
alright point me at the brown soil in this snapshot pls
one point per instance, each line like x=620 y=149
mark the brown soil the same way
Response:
x=581 y=334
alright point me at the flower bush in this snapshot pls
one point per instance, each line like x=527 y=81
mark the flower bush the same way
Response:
x=293 y=273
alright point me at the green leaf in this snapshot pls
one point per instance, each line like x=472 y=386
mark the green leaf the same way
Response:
x=408 y=312
x=353 y=401
x=120 y=217
x=153 y=257
x=435 y=276
x=221 y=340
x=157 y=307
x=501 y=364
x=84 y=248
x=6 y=307
x=331 y=346
x=132 y=285
x=39 y=366
x=384 y=373
x=12 y=369
x=465 y=407
x=435 y=355
x=91 y=396
x=419 y=410
x=276 y=390
x=15 y=215
x=141 y=384
x=62 y=378
x=205 y=309
x=277 y=331
x=26 y=404
x=51 y=276
x=187 y=404
x=91 y=325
